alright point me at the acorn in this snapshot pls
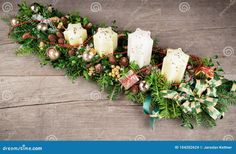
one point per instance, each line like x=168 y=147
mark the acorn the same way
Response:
x=26 y=35
x=134 y=89
x=124 y=61
x=61 y=41
x=71 y=52
x=52 y=38
x=60 y=34
x=98 y=68
x=112 y=60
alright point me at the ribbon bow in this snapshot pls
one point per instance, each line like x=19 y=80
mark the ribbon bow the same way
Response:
x=209 y=85
x=153 y=114
x=194 y=100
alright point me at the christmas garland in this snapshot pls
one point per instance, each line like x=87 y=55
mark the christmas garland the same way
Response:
x=201 y=96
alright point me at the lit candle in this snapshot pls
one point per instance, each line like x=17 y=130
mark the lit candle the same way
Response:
x=105 y=41
x=174 y=65
x=75 y=34
x=140 y=47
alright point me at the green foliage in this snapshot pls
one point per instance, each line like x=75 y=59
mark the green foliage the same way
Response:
x=226 y=97
x=137 y=98
x=23 y=51
x=75 y=66
x=210 y=62
x=111 y=86
x=168 y=108
x=193 y=120
x=114 y=92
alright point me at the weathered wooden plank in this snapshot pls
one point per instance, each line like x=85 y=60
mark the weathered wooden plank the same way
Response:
x=38 y=102
x=11 y=64
x=18 y=91
x=95 y=121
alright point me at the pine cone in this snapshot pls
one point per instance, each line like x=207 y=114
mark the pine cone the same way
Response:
x=52 y=38
x=26 y=35
x=112 y=60
x=71 y=52
x=60 y=34
x=61 y=41
x=134 y=89
x=98 y=68
x=64 y=20
x=124 y=61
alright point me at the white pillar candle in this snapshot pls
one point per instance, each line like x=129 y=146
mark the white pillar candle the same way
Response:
x=75 y=34
x=105 y=41
x=174 y=65
x=140 y=47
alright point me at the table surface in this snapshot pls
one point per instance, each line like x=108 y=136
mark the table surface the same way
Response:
x=40 y=103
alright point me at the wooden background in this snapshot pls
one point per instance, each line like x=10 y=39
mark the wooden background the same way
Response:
x=39 y=103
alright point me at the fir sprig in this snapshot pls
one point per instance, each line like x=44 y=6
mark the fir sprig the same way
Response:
x=75 y=66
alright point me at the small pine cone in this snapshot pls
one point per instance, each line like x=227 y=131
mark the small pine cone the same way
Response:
x=26 y=35
x=134 y=89
x=124 y=61
x=98 y=68
x=60 y=34
x=71 y=52
x=52 y=38
x=147 y=71
x=112 y=60
x=61 y=41
x=64 y=20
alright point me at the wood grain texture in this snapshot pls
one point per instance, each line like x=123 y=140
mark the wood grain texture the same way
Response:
x=37 y=102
